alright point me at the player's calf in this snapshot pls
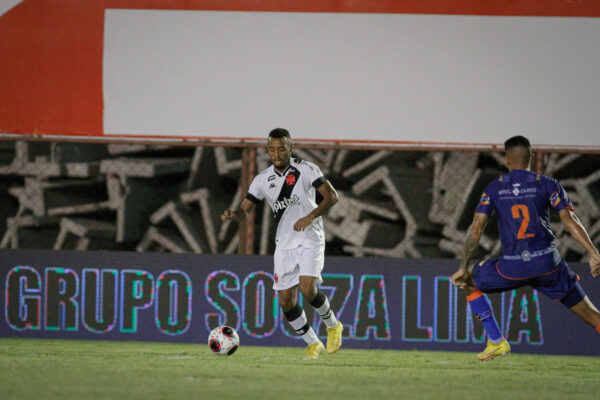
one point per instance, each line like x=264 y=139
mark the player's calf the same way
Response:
x=334 y=327
x=321 y=304
x=297 y=319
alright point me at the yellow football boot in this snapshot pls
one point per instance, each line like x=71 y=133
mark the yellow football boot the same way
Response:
x=494 y=350
x=334 y=338
x=314 y=350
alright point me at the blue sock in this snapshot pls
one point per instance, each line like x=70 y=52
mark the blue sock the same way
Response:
x=482 y=310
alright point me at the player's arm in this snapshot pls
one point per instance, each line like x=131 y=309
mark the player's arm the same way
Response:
x=240 y=214
x=575 y=227
x=330 y=197
x=460 y=277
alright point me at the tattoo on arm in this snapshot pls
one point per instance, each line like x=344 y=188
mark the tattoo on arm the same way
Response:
x=469 y=249
x=473 y=236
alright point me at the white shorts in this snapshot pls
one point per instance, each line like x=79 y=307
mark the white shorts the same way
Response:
x=291 y=263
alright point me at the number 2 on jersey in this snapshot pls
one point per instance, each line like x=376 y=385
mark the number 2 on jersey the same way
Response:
x=522 y=211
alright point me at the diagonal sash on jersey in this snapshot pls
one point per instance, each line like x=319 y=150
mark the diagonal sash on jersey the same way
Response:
x=285 y=194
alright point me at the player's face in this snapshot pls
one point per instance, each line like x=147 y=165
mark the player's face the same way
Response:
x=280 y=151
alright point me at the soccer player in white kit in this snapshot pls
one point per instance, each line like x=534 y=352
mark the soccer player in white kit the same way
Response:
x=289 y=186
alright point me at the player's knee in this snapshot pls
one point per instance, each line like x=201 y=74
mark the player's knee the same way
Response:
x=308 y=287
x=309 y=291
x=574 y=298
x=286 y=305
x=286 y=301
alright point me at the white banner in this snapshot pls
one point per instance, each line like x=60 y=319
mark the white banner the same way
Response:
x=352 y=77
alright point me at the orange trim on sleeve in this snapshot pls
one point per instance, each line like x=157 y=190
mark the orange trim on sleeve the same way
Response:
x=598 y=328
x=474 y=296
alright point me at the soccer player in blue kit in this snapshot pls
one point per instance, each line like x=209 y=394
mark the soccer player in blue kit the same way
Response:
x=522 y=200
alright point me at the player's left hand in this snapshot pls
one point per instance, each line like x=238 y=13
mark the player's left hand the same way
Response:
x=302 y=223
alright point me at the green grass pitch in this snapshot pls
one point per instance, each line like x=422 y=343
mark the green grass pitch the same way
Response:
x=60 y=369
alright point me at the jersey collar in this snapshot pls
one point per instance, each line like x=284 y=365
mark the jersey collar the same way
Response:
x=284 y=171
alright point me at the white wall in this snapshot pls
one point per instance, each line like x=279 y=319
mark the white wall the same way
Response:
x=6 y=5
x=389 y=77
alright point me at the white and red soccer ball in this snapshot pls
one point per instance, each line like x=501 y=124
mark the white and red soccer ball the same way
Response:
x=223 y=341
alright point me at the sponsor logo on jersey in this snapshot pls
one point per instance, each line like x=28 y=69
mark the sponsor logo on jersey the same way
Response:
x=517 y=191
x=485 y=199
x=271 y=186
x=285 y=203
x=554 y=199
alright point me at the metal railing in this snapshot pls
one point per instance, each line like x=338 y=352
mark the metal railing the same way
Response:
x=394 y=201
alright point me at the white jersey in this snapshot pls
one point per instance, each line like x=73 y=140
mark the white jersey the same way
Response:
x=291 y=195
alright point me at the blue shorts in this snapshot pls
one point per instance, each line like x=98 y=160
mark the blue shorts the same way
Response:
x=559 y=284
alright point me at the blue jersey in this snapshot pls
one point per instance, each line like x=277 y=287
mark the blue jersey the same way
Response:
x=522 y=200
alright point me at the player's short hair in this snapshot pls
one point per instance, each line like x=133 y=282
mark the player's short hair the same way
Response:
x=519 y=143
x=279 y=133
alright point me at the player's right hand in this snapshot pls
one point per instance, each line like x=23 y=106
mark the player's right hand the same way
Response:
x=227 y=215
x=459 y=278
x=595 y=265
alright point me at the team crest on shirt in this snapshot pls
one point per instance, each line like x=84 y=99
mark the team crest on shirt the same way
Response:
x=290 y=179
x=485 y=199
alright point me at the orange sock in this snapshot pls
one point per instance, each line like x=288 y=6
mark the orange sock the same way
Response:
x=598 y=328
x=475 y=295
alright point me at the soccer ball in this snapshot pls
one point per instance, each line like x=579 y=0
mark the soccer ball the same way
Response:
x=223 y=341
